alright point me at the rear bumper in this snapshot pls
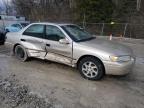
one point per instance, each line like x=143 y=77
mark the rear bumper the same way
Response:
x=115 y=68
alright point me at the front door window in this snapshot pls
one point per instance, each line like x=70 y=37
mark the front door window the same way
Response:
x=54 y=33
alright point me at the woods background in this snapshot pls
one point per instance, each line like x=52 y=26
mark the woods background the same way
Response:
x=128 y=15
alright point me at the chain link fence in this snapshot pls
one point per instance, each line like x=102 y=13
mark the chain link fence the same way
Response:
x=117 y=29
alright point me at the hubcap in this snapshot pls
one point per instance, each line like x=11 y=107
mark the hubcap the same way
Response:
x=89 y=69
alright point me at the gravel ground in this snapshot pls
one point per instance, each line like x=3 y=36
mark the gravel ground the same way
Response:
x=44 y=84
x=14 y=95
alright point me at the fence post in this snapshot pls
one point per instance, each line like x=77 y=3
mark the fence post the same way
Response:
x=84 y=21
x=125 y=29
x=103 y=25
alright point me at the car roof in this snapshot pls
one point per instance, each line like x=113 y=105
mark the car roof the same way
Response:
x=48 y=23
x=20 y=23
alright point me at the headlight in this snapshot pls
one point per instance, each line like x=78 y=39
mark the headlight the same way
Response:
x=120 y=58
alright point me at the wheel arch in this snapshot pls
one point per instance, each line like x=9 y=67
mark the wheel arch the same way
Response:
x=84 y=56
x=15 y=47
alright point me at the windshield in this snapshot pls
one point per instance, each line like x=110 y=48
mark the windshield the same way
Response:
x=24 y=24
x=76 y=33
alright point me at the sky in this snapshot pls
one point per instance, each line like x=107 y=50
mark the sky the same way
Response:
x=3 y=9
x=2 y=4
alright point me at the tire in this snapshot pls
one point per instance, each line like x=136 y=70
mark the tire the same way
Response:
x=2 y=38
x=91 y=68
x=20 y=53
x=2 y=43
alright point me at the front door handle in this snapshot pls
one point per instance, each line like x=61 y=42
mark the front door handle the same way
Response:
x=23 y=40
x=48 y=45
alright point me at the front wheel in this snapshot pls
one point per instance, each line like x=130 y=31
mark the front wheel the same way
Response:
x=91 y=68
x=20 y=53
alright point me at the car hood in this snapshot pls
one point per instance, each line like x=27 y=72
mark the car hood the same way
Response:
x=107 y=46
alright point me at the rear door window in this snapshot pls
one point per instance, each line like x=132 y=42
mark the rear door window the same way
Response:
x=36 y=30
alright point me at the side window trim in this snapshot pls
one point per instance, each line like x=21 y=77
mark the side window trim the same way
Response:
x=44 y=36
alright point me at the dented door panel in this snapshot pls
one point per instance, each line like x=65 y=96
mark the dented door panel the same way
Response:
x=59 y=52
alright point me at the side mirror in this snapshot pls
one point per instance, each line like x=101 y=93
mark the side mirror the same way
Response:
x=63 y=41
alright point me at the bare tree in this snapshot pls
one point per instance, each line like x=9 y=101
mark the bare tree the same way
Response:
x=44 y=10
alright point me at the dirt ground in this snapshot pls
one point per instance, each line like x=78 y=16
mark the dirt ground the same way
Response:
x=44 y=84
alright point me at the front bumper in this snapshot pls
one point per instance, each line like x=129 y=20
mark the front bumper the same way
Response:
x=116 y=68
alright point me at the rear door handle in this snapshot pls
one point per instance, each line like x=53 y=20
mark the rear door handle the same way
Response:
x=23 y=40
x=48 y=45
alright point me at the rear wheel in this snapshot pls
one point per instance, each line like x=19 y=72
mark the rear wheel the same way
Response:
x=2 y=38
x=20 y=53
x=91 y=68
x=2 y=43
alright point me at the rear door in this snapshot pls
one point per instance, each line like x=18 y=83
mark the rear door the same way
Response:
x=32 y=40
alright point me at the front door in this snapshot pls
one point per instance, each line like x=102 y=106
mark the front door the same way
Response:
x=32 y=40
x=57 y=51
